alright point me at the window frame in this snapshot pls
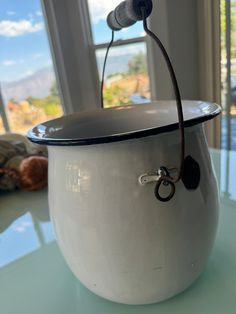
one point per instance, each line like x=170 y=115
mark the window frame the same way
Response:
x=207 y=79
x=125 y=42
x=76 y=13
x=3 y=114
x=117 y=43
x=210 y=62
x=73 y=53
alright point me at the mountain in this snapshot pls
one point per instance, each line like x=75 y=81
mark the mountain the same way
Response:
x=115 y=64
x=38 y=84
x=35 y=85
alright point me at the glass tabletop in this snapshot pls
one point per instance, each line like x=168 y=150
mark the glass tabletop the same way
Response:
x=34 y=278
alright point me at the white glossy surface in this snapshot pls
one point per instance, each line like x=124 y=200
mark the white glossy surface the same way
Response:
x=117 y=238
x=40 y=282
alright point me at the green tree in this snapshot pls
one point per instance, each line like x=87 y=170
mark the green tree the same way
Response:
x=50 y=104
x=138 y=64
x=13 y=100
x=115 y=96
x=223 y=26
x=54 y=90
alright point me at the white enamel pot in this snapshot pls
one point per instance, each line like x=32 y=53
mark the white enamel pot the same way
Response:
x=118 y=239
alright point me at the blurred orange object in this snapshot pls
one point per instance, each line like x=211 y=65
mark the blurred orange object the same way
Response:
x=33 y=173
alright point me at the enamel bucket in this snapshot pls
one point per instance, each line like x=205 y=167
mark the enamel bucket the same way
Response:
x=117 y=238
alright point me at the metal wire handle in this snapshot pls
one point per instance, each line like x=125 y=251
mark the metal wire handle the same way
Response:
x=177 y=95
x=104 y=67
x=164 y=177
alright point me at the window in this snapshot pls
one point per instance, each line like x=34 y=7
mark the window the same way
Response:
x=28 y=89
x=228 y=73
x=126 y=76
x=79 y=36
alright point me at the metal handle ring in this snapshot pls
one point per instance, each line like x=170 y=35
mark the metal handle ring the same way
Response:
x=165 y=182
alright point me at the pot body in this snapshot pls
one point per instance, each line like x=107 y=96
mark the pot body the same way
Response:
x=117 y=238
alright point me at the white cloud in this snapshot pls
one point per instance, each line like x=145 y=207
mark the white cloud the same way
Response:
x=11 y=12
x=7 y=63
x=37 y=56
x=19 y=229
x=22 y=226
x=10 y=62
x=28 y=73
x=39 y=13
x=100 y=8
x=18 y=28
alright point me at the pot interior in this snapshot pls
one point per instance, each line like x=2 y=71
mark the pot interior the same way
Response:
x=120 y=123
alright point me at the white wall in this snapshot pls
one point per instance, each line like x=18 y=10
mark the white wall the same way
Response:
x=176 y=24
x=184 y=45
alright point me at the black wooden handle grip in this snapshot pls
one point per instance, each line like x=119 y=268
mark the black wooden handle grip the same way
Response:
x=128 y=13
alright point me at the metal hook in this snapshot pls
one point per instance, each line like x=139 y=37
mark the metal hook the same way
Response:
x=161 y=176
x=165 y=182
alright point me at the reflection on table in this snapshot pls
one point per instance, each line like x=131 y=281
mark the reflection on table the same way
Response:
x=24 y=219
x=34 y=278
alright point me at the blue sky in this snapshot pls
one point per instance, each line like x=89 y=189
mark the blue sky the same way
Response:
x=23 y=41
x=24 y=46
x=99 y=10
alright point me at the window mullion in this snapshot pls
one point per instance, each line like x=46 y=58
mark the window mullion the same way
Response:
x=68 y=30
x=121 y=42
x=74 y=53
x=159 y=77
x=92 y=57
x=3 y=114
x=209 y=62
